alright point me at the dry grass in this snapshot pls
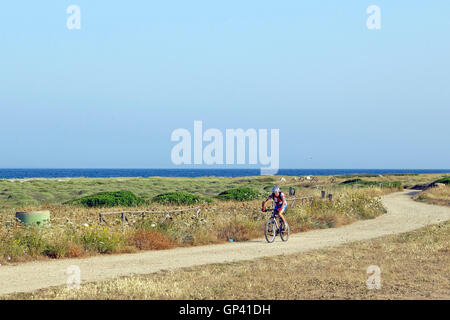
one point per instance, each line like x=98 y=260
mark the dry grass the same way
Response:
x=414 y=265
x=439 y=195
x=151 y=240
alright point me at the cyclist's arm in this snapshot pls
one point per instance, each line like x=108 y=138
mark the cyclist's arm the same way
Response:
x=265 y=201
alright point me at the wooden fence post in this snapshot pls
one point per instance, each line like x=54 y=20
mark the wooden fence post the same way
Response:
x=293 y=203
x=291 y=191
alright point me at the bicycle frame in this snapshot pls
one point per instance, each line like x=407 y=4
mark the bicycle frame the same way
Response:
x=274 y=217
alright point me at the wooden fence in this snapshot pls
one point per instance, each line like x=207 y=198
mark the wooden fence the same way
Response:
x=303 y=199
x=124 y=214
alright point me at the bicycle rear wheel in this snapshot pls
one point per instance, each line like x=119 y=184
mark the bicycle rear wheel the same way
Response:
x=270 y=230
x=285 y=232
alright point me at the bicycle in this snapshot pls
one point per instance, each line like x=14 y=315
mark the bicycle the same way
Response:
x=275 y=226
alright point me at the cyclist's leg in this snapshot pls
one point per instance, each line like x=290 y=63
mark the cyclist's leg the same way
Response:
x=283 y=210
x=283 y=220
x=277 y=214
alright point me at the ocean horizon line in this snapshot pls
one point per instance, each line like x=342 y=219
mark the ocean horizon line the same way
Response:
x=24 y=173
x=125 y=168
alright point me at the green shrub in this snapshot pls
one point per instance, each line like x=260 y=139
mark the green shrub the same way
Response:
x=179 y=198
x=109 y=199
x=445 y=180
x=352 y=181
x=239 y=194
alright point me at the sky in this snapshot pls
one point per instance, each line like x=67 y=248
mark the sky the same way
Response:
x=110 y=94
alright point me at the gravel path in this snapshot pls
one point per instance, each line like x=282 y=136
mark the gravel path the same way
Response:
x=403 y=215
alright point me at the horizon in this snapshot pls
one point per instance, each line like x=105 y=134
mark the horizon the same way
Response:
x=54 y=173
x=219 y=168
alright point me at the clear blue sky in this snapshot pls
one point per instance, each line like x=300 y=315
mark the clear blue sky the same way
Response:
x=110 y=95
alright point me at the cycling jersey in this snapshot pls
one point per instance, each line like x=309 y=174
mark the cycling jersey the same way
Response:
x=277 y=200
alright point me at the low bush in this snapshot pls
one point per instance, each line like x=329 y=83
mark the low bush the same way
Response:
x=445 y=180
x=240 y=194
x=109 y=199
x=179 y=198
x=352 y=181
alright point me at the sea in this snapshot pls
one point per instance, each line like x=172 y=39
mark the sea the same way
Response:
x=111 y=173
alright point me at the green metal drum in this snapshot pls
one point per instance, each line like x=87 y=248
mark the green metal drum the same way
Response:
x=37 y=218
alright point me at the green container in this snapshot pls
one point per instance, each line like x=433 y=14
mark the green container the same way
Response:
x=37 y=218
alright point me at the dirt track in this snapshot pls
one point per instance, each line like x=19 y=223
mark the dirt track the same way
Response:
x=403 y=215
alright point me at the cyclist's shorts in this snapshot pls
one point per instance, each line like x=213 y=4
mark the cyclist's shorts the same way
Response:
x=277 y=207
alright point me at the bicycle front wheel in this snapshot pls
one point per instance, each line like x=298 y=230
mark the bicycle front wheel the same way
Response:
x=270 y=230
x=285 y=232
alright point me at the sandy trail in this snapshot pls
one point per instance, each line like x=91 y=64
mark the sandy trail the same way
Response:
x=403 y=215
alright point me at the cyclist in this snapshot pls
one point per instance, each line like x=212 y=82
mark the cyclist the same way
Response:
x=280 y=202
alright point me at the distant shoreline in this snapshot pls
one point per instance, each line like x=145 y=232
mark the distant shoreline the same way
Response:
x=21 y=174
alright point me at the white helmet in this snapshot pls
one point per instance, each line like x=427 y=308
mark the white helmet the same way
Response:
x=276 y=189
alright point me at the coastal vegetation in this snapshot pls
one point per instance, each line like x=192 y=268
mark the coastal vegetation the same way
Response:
x=164 y=213
x=437 y=193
